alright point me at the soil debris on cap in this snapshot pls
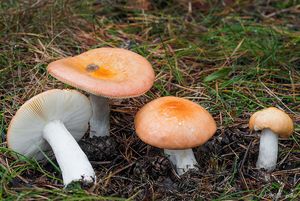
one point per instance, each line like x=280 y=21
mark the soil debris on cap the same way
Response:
x=92 y=67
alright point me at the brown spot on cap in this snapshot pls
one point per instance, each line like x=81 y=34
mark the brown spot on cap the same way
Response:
x=109 y=72
x=92 y=67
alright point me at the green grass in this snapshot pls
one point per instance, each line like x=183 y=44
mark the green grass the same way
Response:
x=231 y=59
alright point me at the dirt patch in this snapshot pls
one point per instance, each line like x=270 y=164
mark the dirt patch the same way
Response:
x=226 y=163
x=99 y=148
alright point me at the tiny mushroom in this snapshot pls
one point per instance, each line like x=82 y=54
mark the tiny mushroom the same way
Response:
x=175 y=125
x=273 y=123
x=57 y=118
x=105 y=73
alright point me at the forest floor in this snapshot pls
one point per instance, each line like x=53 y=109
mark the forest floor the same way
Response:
x=232 y=57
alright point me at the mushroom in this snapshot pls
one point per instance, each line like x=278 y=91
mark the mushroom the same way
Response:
x=57 y=118
x=105 y=73
x=175 y=125
x=273 y=123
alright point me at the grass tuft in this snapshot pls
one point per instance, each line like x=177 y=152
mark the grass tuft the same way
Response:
x=232 y=57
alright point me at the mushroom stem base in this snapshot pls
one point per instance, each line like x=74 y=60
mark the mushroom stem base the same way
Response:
x=72 y=161
x=268 y=150
x=99 y=122
x=183 y=160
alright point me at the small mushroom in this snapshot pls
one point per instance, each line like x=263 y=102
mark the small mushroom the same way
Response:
x=175 y=125
x=57 y=118
x=105 y=73
x=272 y=123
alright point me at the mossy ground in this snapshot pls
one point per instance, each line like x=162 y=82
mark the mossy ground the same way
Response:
x=232 y=57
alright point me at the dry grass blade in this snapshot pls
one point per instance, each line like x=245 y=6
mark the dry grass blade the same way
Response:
x=232 y=57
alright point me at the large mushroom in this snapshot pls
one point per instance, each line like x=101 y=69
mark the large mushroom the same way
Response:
x=105 y=73
x=57 y=118
x=176 y=125
x=272 y=123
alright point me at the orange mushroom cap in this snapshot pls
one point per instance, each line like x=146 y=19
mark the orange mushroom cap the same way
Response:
x=109 y=72
x=174 y=123
x=274 y=119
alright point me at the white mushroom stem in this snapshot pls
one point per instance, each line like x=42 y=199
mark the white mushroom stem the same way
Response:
x=183 y=160
x=268 y=150
x=99 y=122
x=72 y=161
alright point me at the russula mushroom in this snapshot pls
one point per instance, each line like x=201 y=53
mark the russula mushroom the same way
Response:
x=57 y=118
x=105 y=73
x=273 y=123
x=175 y=125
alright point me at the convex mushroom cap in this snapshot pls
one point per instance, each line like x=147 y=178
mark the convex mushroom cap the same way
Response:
x=274 y=119
x=56 y=118
x=25 y=132
x=174 y=123
x=108 y=72
x=273 y=123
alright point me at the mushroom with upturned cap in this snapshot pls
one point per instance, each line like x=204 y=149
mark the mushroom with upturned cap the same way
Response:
x=273 y=123
x=57 y=118
x=105 y=73
x=176 y=125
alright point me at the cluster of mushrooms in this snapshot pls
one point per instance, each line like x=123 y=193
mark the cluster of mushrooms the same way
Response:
x=56 y=119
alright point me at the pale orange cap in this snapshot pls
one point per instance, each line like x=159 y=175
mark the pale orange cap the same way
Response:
x=274 y=119
x=109 y=72
x=174 y=123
